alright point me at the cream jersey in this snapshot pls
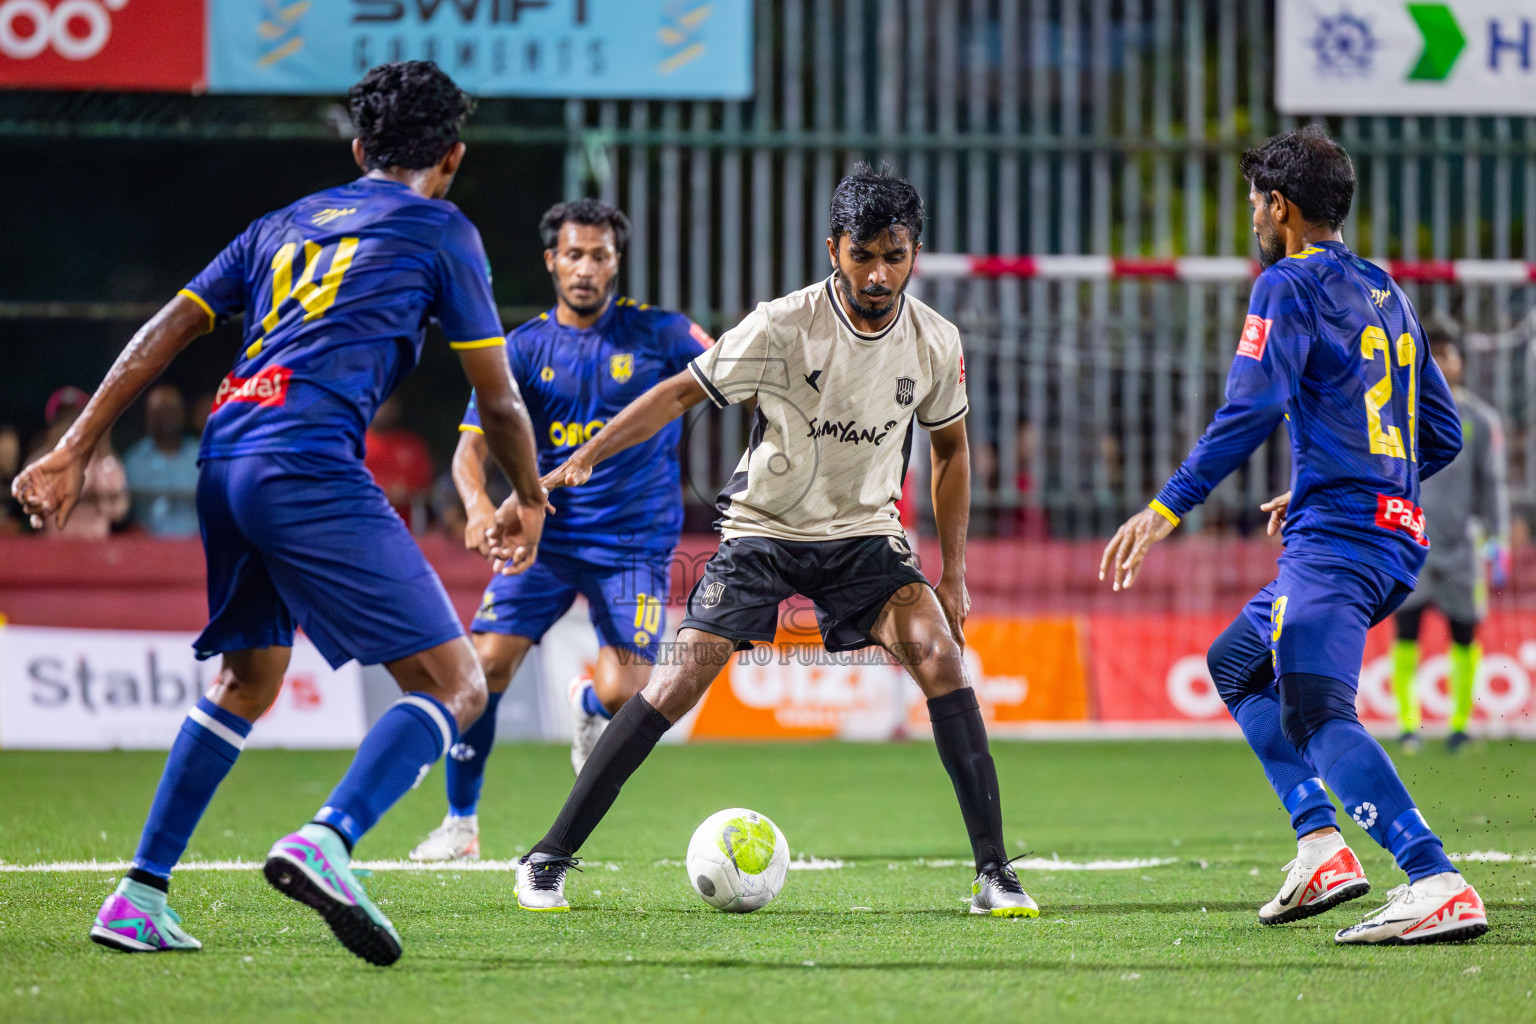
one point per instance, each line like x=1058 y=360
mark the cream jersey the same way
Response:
x=832 y=431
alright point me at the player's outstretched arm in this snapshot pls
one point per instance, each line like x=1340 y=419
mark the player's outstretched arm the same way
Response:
x=636 y=422
x=51 y=485
x=952 y=515
x=519 y=523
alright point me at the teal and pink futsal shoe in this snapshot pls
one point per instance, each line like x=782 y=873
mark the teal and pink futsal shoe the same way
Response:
x=135 y=919
x=311 y=866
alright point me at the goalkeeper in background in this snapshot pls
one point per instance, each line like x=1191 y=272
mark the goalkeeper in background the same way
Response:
x=1466 y=512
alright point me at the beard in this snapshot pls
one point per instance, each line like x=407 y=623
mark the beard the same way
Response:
x=885 y=298
x=1271 y=248
x=595 y=306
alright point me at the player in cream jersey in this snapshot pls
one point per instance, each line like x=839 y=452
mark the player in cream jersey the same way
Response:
x=841 y=371
x=835 y=412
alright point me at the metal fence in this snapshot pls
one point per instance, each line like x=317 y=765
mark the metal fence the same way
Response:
x=1098 y=126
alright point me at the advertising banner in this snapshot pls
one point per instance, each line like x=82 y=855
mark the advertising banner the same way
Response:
x=1401 y=57
x=102 y=44
x=1024 y=671
x=1151 y=668
x=81 y=689
x=672 y=49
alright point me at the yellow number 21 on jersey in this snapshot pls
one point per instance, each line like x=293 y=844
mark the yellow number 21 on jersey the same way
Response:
x=315 y=297
x=1388 y=439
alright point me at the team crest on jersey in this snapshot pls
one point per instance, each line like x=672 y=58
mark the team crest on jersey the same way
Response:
x=621 y=367
x=711 y=595
x=906 y=387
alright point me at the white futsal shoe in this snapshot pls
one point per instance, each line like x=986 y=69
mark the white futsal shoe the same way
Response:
x=998 y=893
x=1440 y=908
x=1324 y=874
x=540 y=882
x=585 y=727
x=455 y=839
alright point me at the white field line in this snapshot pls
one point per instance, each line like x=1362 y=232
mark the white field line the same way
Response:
x=107 y=867
x=104 y=867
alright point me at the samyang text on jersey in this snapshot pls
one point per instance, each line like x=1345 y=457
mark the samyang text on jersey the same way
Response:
x=835 y=407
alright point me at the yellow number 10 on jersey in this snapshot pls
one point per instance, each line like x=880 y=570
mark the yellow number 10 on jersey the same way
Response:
x=316 y=298
x=1388 y=439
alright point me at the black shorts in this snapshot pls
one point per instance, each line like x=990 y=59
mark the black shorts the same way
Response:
x=848 y=580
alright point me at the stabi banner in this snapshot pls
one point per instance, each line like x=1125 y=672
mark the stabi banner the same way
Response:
x=86 y=689
x=102 y=44
x=1400 y=57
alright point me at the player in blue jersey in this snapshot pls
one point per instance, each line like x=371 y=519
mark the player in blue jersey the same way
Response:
x=1332 y=346
x=610 y=540
x=337 y=290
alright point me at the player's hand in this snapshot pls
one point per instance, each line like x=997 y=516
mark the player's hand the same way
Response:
x=1277 y=508
x=50 y=486
x=514 y=536
x=573 y=472
x=955 y=599
x=1127 y=549
x=477 y=532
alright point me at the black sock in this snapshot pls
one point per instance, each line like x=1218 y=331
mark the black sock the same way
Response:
x=961 y=737
x=145 y=878
x=627 y=741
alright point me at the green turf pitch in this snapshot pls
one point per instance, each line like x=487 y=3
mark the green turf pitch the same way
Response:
x=883 y=938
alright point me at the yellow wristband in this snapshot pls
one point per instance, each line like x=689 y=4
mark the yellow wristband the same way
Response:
x=1163 y=510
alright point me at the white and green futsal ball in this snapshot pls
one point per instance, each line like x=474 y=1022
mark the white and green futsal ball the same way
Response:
x=737 y=860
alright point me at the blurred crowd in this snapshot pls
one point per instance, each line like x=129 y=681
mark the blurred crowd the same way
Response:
x=151 y=486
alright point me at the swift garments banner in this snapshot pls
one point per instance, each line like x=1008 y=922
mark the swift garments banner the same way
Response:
x=83 y=689
x=102 y=44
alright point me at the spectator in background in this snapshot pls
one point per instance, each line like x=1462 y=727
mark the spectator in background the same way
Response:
x=162 y=468
x=400 y=464
x=104 y=500
x=10 y=462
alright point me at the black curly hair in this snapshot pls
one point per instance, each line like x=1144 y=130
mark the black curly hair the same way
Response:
x=584 y=211
x=407 y=114
x=1309 y=169
x=869 y=201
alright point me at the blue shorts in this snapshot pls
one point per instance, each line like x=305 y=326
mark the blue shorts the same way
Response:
x=1316 y=613
x=627 y=605
x=311 y=539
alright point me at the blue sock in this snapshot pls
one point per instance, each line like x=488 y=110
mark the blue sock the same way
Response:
x=393 y=758
x=203 y=753
x=1241 y=668
x=1294 y=781
x=1361 y=773
x=591 y=705
x=466 y=760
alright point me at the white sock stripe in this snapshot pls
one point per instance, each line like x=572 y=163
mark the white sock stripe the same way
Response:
x=431 y=707
x=217 y=727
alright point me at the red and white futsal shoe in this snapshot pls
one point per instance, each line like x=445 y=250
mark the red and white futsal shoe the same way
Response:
x=1440 y=908
x=1324 y=874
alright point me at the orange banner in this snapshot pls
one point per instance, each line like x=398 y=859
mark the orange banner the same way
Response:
x=1023 y=670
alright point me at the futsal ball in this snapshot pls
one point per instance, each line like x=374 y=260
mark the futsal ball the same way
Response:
x=737 y=860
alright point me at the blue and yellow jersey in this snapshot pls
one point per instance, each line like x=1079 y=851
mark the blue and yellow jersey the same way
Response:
x=338 y=290
x=574 y=381
x=1332 y=345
